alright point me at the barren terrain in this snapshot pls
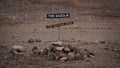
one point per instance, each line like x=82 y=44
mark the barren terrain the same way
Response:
x=94 y=21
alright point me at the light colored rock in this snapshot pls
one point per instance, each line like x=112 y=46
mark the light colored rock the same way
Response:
x=59 y=48
x=66 y=49
x=63 y=59
x=17 y=48
x=59 y=43
x=91 y=56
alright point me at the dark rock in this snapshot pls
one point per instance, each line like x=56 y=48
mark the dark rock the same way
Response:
x=102 y=42
x=38 y=40
x=44 y=52
x=35 y=50
x=31 y=40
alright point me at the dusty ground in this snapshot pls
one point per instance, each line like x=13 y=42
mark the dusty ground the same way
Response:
x=94 y=21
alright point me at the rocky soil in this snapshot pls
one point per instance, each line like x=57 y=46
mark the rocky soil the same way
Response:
x=96 y=27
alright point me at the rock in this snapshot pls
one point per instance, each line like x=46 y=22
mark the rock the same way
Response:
x=89 y=52
x=16 y=50
x=66 y=52
x=71 y=56
x=77 y=56
x=70 y=47
x=61 y=54
x=59 y=48
x=35 y=50
x=76 y=26
x=91 y=56
x=63 y=59
x=83 y=56
x=31 y=40
x=116 y=49
x=37 y=40
x=102 y=42
x=80 y=56
x=59 y=43
x=51 y=55
x=66 y=49
x=44 y=52
x=82 y=50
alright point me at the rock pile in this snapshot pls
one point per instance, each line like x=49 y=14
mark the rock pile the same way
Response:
x=64 y=52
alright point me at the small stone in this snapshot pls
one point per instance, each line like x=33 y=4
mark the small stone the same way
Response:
x=61 y=54
x=91 y=56
x=70 y=47
x=80 y=56
x=87 y=60
x=35 y=50
x=59 y=48
x=16 y=50
x=116 y=49
x=38 y=40
x=77 y=56
x=89 y=52
x=63 y=59
x=66 y=49
x=81 y=50
x=71 y=56
x=59 y=43
x=31 y=40
x=102 y=42
x=44 y=52
x=51 y=55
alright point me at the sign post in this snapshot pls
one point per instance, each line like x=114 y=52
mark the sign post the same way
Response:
x=59 y=31
x=59 y=16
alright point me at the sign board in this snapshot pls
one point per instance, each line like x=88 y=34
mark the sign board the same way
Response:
x=59 y=24
x=60 y=15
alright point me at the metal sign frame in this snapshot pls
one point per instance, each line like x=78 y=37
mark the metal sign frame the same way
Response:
x=59 y=16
